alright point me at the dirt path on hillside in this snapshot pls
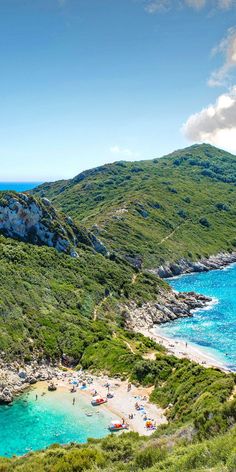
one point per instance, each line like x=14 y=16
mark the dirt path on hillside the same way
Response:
x=99 y=306
x=170 y=235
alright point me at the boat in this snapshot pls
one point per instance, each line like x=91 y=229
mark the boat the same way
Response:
x=117 y=426
x=98 y=401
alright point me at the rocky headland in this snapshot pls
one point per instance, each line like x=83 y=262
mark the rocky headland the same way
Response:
x=177 y=305
x=16 y=377
x=185 y=266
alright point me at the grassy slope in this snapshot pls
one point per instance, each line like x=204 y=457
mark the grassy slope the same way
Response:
x=48 y=300
x=190 y=193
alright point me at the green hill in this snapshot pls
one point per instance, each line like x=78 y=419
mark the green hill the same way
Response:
x=52 y=304
x=182 y=205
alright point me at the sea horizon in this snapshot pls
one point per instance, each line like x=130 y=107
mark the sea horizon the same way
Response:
x=18 y=186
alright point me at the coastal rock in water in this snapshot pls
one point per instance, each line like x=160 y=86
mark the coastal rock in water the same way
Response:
x=177 y=305
x=184 y=266
x=14 y=380
x=6 y=396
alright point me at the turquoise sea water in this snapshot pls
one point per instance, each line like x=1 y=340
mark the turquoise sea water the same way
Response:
x=213 y=329
x=31 y=424
x=18 y=186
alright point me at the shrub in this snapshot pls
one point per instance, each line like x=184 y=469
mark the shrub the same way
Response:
x=150 y=456
x=204 y=222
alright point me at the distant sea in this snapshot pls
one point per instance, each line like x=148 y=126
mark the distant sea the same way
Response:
x=212 y=329
x=18 y=186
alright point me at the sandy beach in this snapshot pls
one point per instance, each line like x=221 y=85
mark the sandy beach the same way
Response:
x=122 y=405
x=182 y=349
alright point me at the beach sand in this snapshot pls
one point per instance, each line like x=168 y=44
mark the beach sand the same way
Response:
x=120 y=406
x=182 y=349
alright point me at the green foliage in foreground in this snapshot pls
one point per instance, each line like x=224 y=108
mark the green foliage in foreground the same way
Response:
x=132 y=453
x=182 y=205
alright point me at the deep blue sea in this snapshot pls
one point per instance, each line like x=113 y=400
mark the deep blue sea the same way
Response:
x=214 y=329
x=18 y=186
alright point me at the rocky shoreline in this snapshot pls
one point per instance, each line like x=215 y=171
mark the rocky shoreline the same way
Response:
x=15 y=378
x=178 y=305
x=185 y=266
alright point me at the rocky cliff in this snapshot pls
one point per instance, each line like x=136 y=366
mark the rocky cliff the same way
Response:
x=36 y=221
x=170 y=306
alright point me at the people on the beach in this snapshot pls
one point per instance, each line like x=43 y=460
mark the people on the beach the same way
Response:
x=129 y=387
x=73 y=400
x=36 y=397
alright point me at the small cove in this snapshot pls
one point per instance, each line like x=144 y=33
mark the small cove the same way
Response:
x=30 y=424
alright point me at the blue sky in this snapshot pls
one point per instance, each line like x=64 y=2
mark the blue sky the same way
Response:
x=85 y=82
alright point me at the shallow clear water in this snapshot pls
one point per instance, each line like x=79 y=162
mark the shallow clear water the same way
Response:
x=18 y=186
x=214 y=329
x=34 y=424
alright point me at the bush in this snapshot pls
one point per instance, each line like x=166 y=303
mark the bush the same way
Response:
x=204 y=222
x=150 y=456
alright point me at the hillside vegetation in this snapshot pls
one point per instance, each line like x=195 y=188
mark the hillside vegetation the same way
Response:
x=55 y=306
x=151 y=212
x=48 y=300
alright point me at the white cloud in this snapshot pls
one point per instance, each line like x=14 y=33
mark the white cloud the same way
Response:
x=156 y=6
x=215 y=124
x=197 y=4
x=226 y=4
x=123 y=152
x=227 y=47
